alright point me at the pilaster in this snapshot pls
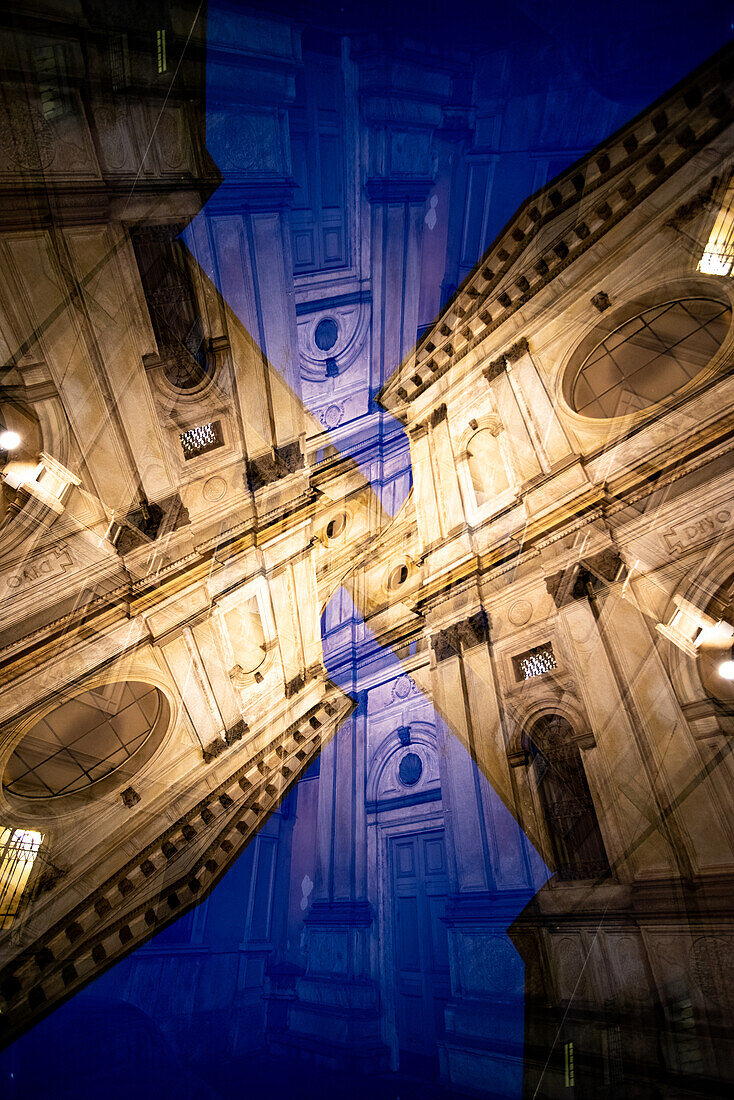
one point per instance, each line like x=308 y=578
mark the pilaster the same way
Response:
x=334 y=1018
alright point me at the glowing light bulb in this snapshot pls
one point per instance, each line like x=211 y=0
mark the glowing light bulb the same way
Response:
x=9 y=440
x=726 y=670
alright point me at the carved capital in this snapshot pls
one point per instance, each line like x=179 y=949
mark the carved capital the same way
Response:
x=438 y=415
x=517 y=350
x=268 y=468
x=453 y=640
x=567 y=585
x=236 y=732
x=149 y=522
x=495 y=369
x=418 y=431
x=214 y=749
x=606 y=565
x=595 y=573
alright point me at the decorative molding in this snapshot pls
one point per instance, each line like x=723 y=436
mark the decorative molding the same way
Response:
x=706 y=112
x=404 y=735
x=130 y=797
x=601 y=301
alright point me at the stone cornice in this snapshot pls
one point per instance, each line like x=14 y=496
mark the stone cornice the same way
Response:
x=128 y=600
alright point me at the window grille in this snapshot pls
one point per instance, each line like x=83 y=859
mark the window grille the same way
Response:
x=570 y=1076
x=570 y=816
x=160 y=42
x=50 y=71
x=613 y=1064
x=718 y=255
x=200 y=440
x=687 y=1048
x=18 y=851
x=169 y=292
x=118 y=61
x=535 y=662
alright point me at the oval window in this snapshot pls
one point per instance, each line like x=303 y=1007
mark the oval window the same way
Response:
x=398 y=576
x=650 y=357
x=410 y=769
x=326 y=334
x=336 y=526
x=85 y=739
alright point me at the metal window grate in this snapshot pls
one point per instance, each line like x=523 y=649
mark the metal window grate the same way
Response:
x=50 y=72
x=718 y=255
x=535 y=662
x=650 y=356
x=18 y=851
x=198 y=441
x=160 y=43
x=119 y=66
x=569 y=1072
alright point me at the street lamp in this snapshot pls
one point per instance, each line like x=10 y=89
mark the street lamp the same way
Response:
x=726 y=668
x=9 y=440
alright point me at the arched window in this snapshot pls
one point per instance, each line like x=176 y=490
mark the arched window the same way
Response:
x=486 y=468
x=19 y=461
x=649 y=357
x=18 y=851
x=569 y=811
x=87 y=738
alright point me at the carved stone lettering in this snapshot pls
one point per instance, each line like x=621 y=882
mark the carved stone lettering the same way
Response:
x=41 y=568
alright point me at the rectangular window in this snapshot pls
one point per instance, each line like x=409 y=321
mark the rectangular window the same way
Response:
x=613 y=1066
x=534 y=662
x=118 y=61
x=319 y=223
x=50 y=69
x=200 y=440
x=687 y=1048
x=160 y=43
x=18 y=851
x=568 y=1065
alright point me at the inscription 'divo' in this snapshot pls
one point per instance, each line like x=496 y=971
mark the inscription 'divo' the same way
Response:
x=683 y=535
x=39 y=569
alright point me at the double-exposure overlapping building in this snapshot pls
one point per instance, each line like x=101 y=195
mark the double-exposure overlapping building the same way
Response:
x=366 y=626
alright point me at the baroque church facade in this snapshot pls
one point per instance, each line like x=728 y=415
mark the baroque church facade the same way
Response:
x=362 y=636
